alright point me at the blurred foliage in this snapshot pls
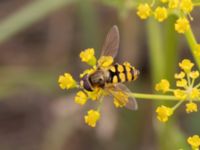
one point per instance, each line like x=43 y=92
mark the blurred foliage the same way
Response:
x=163 y=54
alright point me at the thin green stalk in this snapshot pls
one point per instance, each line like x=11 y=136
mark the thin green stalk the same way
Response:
x=177 y=105
x=192 y=43
x=100 y=103
x=28 y=15
x=196 y=4
x=153 y=96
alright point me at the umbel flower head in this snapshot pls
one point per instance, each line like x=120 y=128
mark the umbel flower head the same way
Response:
x=160 y=11
x=187 y=90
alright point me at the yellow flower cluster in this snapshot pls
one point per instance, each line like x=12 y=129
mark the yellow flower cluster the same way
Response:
x=66 y=81
x=161 y=12
x=163 y=113
x=194 y=142
x=186 y=89
x=92 y=117
x=88 y=56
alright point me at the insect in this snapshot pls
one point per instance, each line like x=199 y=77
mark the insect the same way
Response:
x=111 y=78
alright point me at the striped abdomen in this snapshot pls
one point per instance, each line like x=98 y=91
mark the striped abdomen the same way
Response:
x=122 y=73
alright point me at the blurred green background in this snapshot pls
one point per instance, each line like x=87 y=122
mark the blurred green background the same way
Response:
x=41 y=39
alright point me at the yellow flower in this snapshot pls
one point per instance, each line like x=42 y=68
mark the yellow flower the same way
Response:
x=88 y=56
x=121 y=101
x=95 y=94
x=160 y=13
x=88 y=71
x=194 y=94
x=181 y=83
x=186 y=65
x=194 y=74
x=81 y=98
x=163 y=113
x=186 y=5
x=105 y=61
x=182 y=25
x=164 y=1
x=180 y=94
x=173 y=4
x=163 y=86
x=92 y=117
x=143 y=11
x=191 y=107
x=66 y=81
x=117 y=104
x=194 y=141
x=181 y=75
x=197 y=51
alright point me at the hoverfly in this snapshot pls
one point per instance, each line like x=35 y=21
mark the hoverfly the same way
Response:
x=111 y=78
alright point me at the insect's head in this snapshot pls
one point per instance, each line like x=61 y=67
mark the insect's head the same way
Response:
x=85 y=83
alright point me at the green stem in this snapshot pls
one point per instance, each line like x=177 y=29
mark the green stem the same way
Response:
x=152 y=96
x=197 y=86
x=177 y=105
x=196 y=4
x=100 y=103
x=192 y=43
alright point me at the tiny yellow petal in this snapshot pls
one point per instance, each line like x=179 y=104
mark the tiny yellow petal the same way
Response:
x=66 y=81
x=121 y=101
x=181 y=83
x=92 y=117
x=95 y=94
x=87 y=71
x=182 y=25
x=186 y=5
x=160 y=14
x=194 y=94
x=164 y=1
x=191 y=107
x=144 y=11
x=194 y=142
x=105 y=61
x=186 y=65
x=163 y=86
x=81 y=98
x=194 y=74
x=163 y=113
x=173 y=4
x=181 y=75
x=180 y=94
x=88 y=56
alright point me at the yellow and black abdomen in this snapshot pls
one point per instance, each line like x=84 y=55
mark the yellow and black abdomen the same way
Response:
x=122 y=73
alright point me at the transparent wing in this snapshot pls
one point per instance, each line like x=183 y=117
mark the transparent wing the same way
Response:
x=111 y=44
x=120 y=92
